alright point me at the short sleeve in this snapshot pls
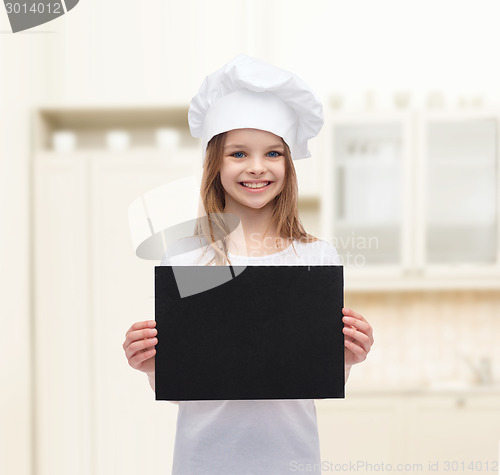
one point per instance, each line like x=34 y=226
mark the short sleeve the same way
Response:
x=329 y=255
x=334 y=256
x=165 y=260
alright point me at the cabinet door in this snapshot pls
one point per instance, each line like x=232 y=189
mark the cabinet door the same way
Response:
x=94 y=413
x=133 y=432
x=368 y=190
x=459 y=186
x=61 y=307
x=363 y=429
x=457 y=429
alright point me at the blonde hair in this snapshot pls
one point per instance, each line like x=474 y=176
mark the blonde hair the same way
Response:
x=215 y=228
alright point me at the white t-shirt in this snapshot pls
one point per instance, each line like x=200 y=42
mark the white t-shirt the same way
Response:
x=259 y=437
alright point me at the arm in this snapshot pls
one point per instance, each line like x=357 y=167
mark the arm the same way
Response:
x=151 y=377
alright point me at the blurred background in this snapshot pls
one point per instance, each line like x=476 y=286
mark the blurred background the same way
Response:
x=404 y=181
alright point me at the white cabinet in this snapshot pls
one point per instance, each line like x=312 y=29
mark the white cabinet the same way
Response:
x=127 y=420
x=456 y=431
x=368 y=183
x=358 y=429
x=94 y=413
x=63 y=382
x=449 y=431
x=458 y=192
x=412 y=199
x=460 y=202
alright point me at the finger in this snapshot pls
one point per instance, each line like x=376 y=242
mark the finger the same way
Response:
x=360 y=325
x=141 y=325
x=140 y=357
x=357 y=350
x=140 y=346
x=351 y=313
x=130 y=337
x=358 y=337
x=136 y=335
x=347 y=337
x=137 y=360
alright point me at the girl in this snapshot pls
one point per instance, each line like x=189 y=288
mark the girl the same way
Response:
x=249 y=172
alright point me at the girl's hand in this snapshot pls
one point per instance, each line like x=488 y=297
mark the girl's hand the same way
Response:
x=139 y=346
x=358 y=337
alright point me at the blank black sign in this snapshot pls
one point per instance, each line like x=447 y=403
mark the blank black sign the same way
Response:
x=259 y=332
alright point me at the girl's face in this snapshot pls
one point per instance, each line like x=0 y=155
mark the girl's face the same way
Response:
x=252 y=157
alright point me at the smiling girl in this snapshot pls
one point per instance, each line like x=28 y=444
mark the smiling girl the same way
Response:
x=254 y=120
x=255 y=170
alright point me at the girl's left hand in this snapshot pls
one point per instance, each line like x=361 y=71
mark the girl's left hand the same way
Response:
x=358 y=336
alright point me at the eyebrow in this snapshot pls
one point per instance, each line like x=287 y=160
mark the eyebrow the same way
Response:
x=277 y=145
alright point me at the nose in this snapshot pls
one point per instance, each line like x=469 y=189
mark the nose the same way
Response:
x=256 y=165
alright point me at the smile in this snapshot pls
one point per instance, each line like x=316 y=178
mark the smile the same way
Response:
x=256 y=187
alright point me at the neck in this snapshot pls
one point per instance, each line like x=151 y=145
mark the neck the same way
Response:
x=255 y=235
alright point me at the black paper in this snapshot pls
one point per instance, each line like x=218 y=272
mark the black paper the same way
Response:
x=258 y=332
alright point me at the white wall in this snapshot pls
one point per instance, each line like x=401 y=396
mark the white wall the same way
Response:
x=124 y=52
x=23 y=81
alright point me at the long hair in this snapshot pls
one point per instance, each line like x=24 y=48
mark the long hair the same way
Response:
x=215 y=229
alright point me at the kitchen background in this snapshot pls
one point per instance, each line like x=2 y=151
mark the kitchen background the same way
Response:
x=404 y=180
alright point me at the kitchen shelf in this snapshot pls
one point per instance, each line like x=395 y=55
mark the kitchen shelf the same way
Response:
x=90 y=124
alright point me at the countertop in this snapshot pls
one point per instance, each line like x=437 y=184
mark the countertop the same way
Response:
x=462 y=389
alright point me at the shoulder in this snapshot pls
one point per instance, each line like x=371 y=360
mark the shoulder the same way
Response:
x=186 y=252
x=323 y=252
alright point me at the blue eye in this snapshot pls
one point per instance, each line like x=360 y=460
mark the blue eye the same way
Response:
x=235 y=154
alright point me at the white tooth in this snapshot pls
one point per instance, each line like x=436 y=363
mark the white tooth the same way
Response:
x=255 y=185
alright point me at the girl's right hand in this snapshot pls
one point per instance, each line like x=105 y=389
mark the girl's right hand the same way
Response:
x=139 y=346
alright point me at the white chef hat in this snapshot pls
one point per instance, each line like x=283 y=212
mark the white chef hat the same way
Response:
x=250 y=93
